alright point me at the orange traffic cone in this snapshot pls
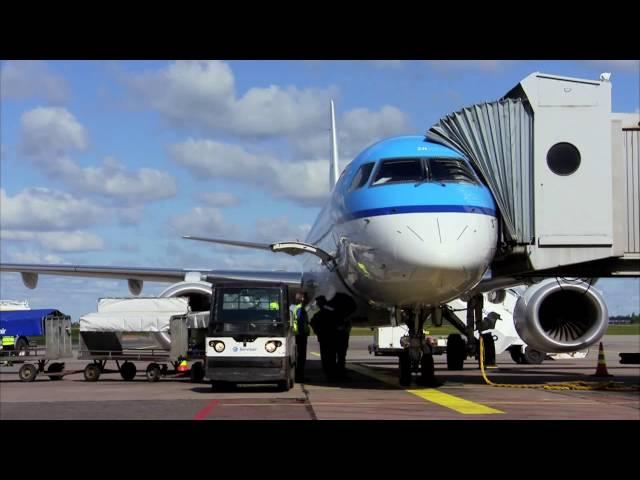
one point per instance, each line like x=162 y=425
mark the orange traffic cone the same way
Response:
x=601 y=369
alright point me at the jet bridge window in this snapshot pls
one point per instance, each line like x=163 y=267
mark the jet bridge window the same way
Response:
x=362 y=176
x=399 y=170
x=450 y=170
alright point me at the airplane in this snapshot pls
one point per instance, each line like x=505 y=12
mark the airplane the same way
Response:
x=408 y=227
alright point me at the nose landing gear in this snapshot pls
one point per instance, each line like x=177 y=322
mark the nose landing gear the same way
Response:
x=417 y=356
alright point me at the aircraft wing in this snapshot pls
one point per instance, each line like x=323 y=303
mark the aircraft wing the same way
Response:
x=137 y=275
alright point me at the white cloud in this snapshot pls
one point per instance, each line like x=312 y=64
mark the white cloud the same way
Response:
x=51 y=131
x=71 y=241
x=48 y=135
x=202 y=221
x=113 y=180
x=43 y=209
x=35 y=257
x=76 y=241
x=279 y=229
x=25 y=79
x=130 y=215
x=202 y=94
x=305 y=181
x=218 y=199
x=357 y=129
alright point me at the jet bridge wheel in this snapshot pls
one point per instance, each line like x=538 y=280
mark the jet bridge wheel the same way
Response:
x=533 y=357
x=456 y=352
x=27 y=372
x=128 y=371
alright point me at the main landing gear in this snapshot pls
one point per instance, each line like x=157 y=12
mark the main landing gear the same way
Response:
x=417 y=355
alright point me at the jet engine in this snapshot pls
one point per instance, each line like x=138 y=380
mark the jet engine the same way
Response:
x=199 y=294
x=557 y=315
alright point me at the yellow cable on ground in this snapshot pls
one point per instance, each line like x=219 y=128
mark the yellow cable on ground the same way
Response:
x=580 y=385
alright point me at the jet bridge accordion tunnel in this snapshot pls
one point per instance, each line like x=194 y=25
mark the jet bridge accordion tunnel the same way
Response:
x=564 y=172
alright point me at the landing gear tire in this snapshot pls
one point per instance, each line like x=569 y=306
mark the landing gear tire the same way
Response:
x=428 y=371
x=197 y=372
x=92 y=372
x=456 y=352
x=533 y=357
x=55 y=368
x=153 y=372
x=27 y=372
x=128 y=371
x=405 y=368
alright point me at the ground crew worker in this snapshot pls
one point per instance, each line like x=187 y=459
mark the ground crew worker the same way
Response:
x=301 y=331
x=344 y=306
x=343 y=330
x=323 y=323
x=274 y=306
x=8 y=342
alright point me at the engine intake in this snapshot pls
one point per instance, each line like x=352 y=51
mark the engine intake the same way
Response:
x=199 y=294
x=556 y=316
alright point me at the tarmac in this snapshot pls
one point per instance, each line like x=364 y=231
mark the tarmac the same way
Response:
x=372 y=392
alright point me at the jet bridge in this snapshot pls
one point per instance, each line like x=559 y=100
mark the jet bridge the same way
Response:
x=564 y=171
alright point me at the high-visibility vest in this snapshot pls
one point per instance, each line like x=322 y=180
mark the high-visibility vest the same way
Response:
x=274 y=306
x=8 y=341
x=184 y=366
x=296 y=312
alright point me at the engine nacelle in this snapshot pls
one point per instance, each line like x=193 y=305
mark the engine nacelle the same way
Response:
x=556 y=316
x=199 y=294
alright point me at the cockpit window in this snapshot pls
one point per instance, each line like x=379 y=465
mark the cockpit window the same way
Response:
x=399 y=170
x=362 y=176
x=450 y=170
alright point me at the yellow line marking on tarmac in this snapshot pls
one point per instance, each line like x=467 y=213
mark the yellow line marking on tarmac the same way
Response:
x=315 y=353
x=454 y=403
x=432 y=395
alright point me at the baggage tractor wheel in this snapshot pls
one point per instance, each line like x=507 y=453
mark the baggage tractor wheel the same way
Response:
x=153 y=372
x=92 y=372
x=456 y=352
x=28 y=373
x=128 y=371
x=55 y=368
x=197 y=372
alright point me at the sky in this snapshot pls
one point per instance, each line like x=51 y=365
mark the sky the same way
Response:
x=111 y=162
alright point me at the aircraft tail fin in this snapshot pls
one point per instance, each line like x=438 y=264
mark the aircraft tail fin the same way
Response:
x=333 y=168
